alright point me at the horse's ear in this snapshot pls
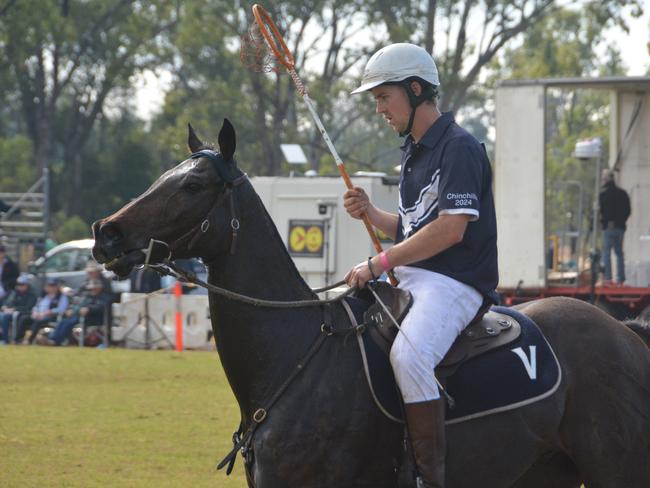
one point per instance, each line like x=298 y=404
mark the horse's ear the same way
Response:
x=193 y=142
x=227 y=140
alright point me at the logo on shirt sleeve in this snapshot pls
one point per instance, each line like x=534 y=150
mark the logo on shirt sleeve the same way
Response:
x=462 y=200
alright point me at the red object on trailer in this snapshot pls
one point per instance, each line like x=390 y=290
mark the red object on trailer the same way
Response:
x=620 y=301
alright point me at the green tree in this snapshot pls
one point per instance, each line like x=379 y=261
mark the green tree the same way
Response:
x=211 y=81
x=67 y=59
x=120 y=159
x=466 y=36
x=16 y=171
x=69 y=229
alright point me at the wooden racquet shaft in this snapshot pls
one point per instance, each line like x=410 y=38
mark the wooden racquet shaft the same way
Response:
x=364 y=216
x=280 y=50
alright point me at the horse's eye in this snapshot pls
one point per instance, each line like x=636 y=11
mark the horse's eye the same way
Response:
x=192 y=187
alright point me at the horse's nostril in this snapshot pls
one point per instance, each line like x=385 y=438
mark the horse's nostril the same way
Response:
x=110 y=232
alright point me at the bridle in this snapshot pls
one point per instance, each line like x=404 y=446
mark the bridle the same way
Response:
x=199 y=230
x=231 y=178
x=157 y=247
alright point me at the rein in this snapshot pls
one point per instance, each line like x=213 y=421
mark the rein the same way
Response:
x=166 y=267
x=169 y=268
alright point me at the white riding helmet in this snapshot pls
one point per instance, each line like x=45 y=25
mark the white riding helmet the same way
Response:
x=397 y=62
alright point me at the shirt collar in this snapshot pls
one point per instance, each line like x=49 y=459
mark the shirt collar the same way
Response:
x=433 y=133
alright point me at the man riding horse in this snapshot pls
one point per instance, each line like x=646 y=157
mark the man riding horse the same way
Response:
x=445 y=237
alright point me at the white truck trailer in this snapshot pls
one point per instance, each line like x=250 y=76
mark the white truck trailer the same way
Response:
x=521 y=190
x=323 y=240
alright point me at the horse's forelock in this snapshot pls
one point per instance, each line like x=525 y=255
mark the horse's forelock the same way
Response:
x=209 y=147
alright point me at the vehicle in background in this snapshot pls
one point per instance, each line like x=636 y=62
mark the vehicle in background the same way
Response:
x=67 y=263
x=197 y=267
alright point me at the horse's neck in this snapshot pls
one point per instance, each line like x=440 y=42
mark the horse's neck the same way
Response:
x=258 y=345
x=260 y=266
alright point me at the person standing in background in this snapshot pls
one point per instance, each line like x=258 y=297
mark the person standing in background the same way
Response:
x=614 y=211
x=4 y=206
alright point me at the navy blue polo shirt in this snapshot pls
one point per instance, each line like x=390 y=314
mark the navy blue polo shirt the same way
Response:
x=448 y=172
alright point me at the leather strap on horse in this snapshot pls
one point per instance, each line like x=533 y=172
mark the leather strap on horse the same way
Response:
x=359 y=330
x=242 y=441
x=199 y=230
x=169 y=268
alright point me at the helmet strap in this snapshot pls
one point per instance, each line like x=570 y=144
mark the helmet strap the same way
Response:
x=409 y=127
x=414 y=101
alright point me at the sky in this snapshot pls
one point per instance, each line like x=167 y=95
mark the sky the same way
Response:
x=150 y=87
x=634 y=46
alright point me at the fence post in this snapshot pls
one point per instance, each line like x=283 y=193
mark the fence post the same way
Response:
x=178 y=293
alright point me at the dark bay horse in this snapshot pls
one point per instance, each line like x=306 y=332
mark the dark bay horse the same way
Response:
x=325 y=430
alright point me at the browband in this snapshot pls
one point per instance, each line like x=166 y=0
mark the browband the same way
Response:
x=228 y=172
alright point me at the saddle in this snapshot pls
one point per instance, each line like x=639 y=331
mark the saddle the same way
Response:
x=487 y=331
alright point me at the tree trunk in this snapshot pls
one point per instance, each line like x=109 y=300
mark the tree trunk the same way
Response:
x=431 y=31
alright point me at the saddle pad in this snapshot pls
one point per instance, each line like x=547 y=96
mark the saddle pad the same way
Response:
x=504 y=378
x=508 y=377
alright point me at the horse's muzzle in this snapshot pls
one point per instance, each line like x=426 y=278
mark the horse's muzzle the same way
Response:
x=110 y=249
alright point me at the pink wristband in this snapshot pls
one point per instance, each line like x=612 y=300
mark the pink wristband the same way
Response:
x=383 y=258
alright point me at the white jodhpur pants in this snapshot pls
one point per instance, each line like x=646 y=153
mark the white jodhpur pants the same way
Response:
x=442 y=308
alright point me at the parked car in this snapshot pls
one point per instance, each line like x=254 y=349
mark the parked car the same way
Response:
x=67 y=262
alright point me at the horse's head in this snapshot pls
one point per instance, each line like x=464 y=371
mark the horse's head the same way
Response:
x=171 y=217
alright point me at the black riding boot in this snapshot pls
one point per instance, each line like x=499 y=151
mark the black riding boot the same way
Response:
x=426 y=426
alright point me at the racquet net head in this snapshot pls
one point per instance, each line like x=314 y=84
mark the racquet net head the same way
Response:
x=255 y=53
x=263 y=47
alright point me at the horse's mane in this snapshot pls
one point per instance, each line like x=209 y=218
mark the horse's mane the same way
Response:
x=272 y=228
x=641 y=328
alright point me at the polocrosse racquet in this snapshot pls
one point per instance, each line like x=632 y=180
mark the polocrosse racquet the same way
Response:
x=262 y=47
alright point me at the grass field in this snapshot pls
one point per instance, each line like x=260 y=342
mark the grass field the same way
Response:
x=73 y=417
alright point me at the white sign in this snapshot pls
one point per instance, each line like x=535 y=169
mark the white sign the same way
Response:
x=293 y=153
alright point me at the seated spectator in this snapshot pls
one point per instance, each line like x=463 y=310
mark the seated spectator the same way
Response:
x=52 y=304
x=4 y=207
x=8 y=273
x=20 y=303
x=91 y=308
x=94 y=273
